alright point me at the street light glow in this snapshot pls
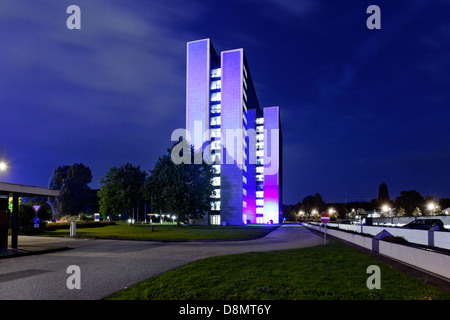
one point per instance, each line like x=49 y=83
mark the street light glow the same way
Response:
x=3 y=166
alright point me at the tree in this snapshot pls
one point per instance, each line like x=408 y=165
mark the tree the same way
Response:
x=409 y=200
x=122 y=190
x=312 y=203
x=417 y=212
x=401 y=212
x=383 y=195
x=75 y=195
x=185 y=188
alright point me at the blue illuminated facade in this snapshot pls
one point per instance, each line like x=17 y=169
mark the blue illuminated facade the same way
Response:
x=225 y=121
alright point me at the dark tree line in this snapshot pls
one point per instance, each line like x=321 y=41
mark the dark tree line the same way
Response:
x=408 y=203
x=182 y=189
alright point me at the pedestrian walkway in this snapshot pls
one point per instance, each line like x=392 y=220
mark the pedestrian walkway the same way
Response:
x=29 y=245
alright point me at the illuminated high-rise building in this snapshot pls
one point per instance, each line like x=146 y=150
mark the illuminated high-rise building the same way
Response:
x=224 y=120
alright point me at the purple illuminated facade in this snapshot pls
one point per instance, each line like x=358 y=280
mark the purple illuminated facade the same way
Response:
x=225 y=121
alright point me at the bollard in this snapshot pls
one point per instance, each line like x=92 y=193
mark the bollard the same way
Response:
x=73 y=228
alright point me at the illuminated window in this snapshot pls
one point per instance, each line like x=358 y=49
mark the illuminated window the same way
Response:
x=216 y=181
x=260 y=161
x=259 y=129
x=259 y=169
x=244 y=192
x=215 y=133
x=215 y=108
x=215 y=145
x=260 y=121
x=244 y=204
x=215 y=219
x=216 y=193
x=260 y=177
x=259 y=145
x=260 y=137
x=260 y=194
x=216 y=168
x=260 y=153
x=216 y=73
x=259 y=210
x=215 y=205
x=215 y=85
x=216 y=96
x=244 y=179
x=215 y=121
x=260 y=202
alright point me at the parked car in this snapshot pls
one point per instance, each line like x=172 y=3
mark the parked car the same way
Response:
x=425 y=224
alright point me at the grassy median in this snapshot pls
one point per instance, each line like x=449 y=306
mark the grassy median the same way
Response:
x=336 y=271
x=168 y=232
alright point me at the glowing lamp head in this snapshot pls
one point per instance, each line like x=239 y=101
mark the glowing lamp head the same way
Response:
x=3 y=166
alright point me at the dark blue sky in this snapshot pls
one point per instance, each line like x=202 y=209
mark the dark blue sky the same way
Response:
x=358 y=107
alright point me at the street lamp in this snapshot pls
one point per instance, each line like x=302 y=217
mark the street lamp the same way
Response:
x=431 y=207
x=3 y=166
x=386 y=208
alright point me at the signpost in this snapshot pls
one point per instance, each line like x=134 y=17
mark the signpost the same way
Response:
x=325 y=218
x=36 y=220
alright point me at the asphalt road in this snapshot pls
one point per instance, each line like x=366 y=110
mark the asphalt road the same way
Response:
x=108 y=266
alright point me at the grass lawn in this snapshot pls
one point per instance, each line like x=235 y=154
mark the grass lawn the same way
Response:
x=336 y=271
x=169 y=232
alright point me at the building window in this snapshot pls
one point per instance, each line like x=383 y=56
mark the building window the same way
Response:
x=214 y=219
x=216 y=181
x=260 y=194
x=216 y=168
x=216 y=96
x=215 y=121
x=215 y=133
x=260 y=121
x=215 y=85
x=216 y=73
x=216 y=194
x=260 y=202
x=215 y=145
x=215 y=205
x=259 y=210
x=259 y=169
x=216 y=108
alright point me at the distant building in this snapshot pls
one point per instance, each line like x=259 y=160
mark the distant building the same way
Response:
x=224 y=119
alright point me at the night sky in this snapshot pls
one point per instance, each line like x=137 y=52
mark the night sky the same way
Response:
x=358 y=107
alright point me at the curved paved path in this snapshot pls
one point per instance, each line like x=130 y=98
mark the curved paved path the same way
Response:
x=108 y=266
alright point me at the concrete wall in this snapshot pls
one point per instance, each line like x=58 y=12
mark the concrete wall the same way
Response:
x=440 y=239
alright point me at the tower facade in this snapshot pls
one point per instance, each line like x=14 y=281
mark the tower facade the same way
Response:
x=242 y=140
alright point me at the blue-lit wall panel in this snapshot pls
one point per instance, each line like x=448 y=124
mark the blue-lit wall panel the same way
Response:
x=231 y=167
x=272 y=206
x=197 y=90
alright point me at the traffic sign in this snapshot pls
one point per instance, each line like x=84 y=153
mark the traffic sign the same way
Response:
x=36 y=220
x=36 y=207
x=325 y=217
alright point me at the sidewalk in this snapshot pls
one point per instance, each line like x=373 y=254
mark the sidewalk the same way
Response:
x=28 y=245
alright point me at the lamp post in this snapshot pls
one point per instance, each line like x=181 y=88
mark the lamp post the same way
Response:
x=432 y=206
